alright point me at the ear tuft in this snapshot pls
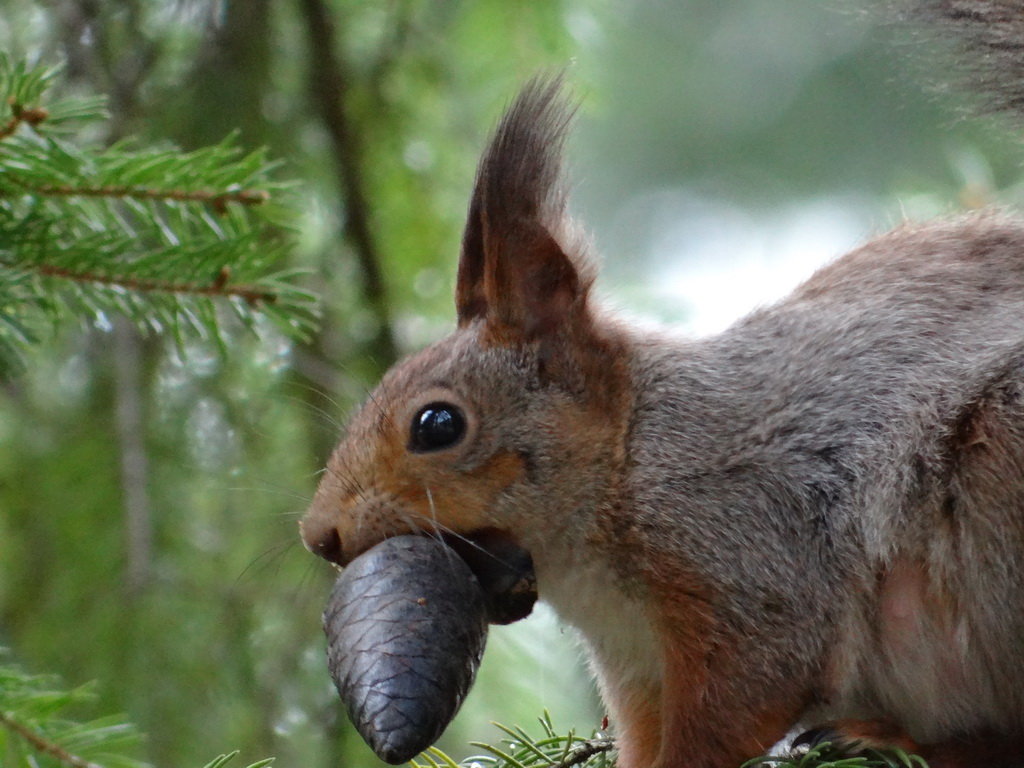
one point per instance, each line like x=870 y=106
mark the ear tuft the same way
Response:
x=521 y=171
x=519 y=264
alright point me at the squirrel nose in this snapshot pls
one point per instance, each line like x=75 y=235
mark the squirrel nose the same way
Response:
x=324 y=541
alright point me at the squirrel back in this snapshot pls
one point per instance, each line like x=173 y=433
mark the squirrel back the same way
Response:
x=815 y=516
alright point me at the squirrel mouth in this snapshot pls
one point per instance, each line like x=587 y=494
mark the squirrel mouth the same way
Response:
x=504 y=570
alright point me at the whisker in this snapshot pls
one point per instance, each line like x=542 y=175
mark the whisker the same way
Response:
x=433 y=507
x=449 y=554
x=331 y=419
x=436 y=524
x=303 y=590
x=316 y=391
x=408 y=521
x=384 y=416
x=268 y=557
x=270 y=489
x=349 y=483
x=452 y=533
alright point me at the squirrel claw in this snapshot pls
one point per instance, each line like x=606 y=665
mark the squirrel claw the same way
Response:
x=812 y=738
x=850 y=738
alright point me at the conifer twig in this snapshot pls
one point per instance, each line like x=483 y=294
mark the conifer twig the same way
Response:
x=218 y=200
x=583 y=751
x=21 y=114
x=219 y=287
x=41 y=744
x=156 y=234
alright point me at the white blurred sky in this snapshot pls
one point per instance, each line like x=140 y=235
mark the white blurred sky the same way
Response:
x=704 y=263
x=729 y=262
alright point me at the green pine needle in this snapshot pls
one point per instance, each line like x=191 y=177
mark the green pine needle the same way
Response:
x=181 y=243
x=825 y=756
x=34 y=730
x=521 y=750
x=223 y=760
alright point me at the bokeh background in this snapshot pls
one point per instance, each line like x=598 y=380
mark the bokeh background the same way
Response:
x=148 y=502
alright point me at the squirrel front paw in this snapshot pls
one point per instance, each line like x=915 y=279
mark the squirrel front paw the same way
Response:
x=855 y=737
x=850 y=738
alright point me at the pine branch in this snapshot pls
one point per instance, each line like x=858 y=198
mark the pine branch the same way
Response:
x=23 y=86
x=223 y=760
x=30 y=710
x=523 y=750
x=44 y=745
x=181 y=243
x=580 y=753
x=218 y=287
x=217 y=200
x=28 y=115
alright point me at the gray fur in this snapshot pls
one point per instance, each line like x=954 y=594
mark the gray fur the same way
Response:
x=987 y=35
x=815 y=443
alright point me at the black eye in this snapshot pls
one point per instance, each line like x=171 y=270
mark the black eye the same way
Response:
x=436 y=426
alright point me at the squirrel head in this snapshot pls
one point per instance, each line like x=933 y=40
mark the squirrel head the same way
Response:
x=513 y=424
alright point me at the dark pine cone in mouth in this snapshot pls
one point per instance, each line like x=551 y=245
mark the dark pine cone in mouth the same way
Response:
x=406 y=626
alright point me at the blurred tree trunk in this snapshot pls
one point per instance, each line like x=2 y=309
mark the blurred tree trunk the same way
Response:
x=232 y=76
x=130 y=395
x=87 y=36
x=330 y=85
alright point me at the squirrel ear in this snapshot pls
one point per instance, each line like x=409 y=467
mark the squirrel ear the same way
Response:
x=514 y=271
x=470 y=302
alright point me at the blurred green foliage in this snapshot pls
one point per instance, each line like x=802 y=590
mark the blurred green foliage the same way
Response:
x=148 y=498
x=35 y=729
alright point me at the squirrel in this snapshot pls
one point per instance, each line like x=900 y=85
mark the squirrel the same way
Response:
x=814 y=518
